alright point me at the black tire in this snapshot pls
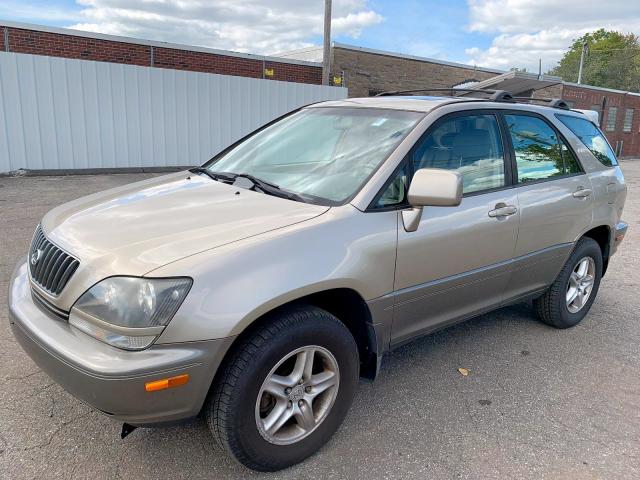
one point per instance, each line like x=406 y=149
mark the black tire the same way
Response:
x=552 y=307
x=230 y=411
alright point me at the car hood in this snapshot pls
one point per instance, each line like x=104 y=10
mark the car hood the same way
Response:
x=137 y=228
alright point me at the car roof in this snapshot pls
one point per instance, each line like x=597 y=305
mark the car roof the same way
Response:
x=426 y=104
x=413 y=103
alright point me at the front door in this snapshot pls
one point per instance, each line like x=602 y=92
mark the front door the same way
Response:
x=458 y=261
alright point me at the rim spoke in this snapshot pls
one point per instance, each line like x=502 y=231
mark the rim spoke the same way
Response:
x=308 y=365
x=304 y=416
x=277 y=418
x=574 y=278
x=303 y=360
x=579 y=299
x=587 y=280
x=322 y=381
x=571 y=295
x=276 y=384
x=583 y=267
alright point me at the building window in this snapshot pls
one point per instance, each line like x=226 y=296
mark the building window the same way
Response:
x=628 y=120
x=611 y=119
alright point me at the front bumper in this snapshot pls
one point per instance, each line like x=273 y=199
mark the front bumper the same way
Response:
x=109 y=379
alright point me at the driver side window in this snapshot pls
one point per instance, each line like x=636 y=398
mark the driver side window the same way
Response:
x=469 y=144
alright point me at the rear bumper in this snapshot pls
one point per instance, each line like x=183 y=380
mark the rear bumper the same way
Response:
x=619 y=231
x=109 y=379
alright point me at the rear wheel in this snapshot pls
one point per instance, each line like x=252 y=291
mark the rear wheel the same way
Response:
x=570 y=297
x=285 y=390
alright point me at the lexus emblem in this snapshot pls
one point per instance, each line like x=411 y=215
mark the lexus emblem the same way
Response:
x=35 y=256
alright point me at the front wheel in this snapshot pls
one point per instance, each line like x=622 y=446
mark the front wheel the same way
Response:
x=570 y=297
x=285 y=390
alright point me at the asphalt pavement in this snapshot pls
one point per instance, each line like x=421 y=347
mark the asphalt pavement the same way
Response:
x=537 y=403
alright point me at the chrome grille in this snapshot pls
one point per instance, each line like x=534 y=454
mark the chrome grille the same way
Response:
x=44 y=305
x=49 y=265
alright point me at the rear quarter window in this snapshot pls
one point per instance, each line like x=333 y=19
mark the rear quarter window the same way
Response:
x=592 y=137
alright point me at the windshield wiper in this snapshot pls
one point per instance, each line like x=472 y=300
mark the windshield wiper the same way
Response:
x=225 y=177
x=269 y=188
x=263 y=185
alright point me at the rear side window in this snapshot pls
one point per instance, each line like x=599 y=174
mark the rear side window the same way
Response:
x=469 y=144
x=540 y=154
x=592 y=138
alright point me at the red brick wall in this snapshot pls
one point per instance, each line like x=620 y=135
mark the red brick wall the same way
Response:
x=291 y=72
x=68 y=46
x=206 y=62
x=586 y=98
x=73 y=46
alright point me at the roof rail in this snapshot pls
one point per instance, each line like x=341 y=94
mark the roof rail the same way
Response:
x=492 y=95
x=451 y=89
x=553 y=102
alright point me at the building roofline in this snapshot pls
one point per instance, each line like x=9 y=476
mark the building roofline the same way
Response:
x=151 y=43
x=602 y=89
x=416 y=58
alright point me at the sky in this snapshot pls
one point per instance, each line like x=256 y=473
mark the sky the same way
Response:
x=491 y=33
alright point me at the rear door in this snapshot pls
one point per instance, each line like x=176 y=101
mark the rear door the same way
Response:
x=457 y=262
x=555 y=199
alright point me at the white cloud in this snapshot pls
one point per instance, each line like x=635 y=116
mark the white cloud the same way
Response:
x=526 y=30
x=256 y=26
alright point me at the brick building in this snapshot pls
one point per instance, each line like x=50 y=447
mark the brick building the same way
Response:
x=363 y=71
x=58 y=42
x=619 y=114
x=366 y=71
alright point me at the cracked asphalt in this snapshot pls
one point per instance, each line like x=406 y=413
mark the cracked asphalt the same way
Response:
x=538 y=402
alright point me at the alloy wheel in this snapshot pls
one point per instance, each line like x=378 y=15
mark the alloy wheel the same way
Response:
x=297 y=395
x=580 y=284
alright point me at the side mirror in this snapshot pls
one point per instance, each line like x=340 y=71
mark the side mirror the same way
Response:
x=435 y=187
x=431 y=187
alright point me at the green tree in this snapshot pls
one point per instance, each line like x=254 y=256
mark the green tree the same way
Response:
x=612 y=60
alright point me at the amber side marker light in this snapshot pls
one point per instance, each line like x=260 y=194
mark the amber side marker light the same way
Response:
x=166 y=383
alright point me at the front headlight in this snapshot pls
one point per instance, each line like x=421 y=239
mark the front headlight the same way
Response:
x=129 y=312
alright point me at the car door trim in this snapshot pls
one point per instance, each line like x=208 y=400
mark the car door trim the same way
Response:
x=499 y=268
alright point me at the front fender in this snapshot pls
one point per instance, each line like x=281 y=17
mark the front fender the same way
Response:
x=238 y=283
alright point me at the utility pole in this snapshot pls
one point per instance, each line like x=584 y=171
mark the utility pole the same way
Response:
x=326 y=52
x=539 y=69
x=584 y=51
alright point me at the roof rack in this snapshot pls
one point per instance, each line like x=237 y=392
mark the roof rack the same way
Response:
x=494 y=95
x=553 y=102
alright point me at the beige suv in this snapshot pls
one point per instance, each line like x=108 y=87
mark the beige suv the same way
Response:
x=258 y=288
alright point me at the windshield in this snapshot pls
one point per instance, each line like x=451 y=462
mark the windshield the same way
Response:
x=323 y=154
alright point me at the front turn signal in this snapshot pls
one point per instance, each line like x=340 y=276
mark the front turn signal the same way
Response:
x=166 y=383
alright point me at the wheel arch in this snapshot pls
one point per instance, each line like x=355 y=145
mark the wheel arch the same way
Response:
x=602 y=235
x=348 y=306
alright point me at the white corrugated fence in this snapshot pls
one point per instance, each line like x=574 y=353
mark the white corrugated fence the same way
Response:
x=58 y=113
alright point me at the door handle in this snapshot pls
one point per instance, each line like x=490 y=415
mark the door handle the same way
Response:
x=582 y=192
x=503 y=210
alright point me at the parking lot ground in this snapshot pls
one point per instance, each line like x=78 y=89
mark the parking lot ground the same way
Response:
x=538 y=403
